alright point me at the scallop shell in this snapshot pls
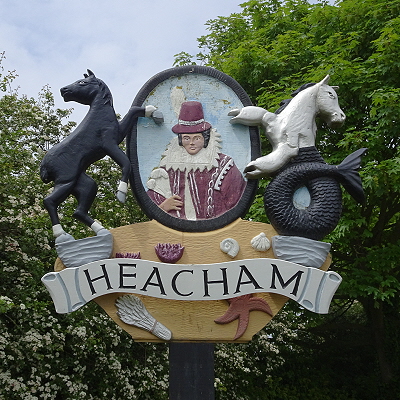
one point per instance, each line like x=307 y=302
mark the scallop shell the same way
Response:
x=230 y=246
x=260 y=242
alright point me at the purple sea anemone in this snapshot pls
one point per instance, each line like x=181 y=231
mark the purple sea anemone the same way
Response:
x=169 y=252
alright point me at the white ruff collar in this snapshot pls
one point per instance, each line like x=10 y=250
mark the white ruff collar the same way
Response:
x=176 y=157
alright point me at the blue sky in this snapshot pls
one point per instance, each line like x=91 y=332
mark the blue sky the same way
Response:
x=124 y=42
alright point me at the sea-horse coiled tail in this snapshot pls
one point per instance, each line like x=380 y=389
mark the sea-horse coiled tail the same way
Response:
x=308 y=171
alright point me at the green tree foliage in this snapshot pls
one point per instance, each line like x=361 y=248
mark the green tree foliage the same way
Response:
x=44 y=355
x=271 y=48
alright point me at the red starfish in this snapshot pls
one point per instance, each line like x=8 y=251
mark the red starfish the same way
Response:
x=239 y=308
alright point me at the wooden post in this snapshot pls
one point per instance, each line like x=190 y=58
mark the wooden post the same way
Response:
x=191 y=371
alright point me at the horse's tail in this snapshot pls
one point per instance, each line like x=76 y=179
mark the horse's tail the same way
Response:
x=349 y=176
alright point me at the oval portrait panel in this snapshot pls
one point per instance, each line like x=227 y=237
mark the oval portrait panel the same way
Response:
x=187 y=171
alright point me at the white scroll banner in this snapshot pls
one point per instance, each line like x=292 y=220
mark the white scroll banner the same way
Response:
x=72 y=288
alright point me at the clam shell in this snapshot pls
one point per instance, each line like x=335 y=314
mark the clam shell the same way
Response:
x=260 y=242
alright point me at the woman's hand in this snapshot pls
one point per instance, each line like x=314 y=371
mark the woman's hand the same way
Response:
x=172 y=203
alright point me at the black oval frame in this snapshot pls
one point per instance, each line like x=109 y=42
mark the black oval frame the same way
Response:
x=148 y=206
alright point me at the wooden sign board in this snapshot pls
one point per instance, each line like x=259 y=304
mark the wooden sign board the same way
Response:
x=149 y=146
x=195 y=272
x=192 y=321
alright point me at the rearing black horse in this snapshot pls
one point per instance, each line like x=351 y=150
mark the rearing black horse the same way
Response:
x=98 y=135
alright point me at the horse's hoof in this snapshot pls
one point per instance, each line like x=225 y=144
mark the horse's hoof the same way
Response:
x=149 y=110
x=255 y=174
x=158 y=117
x=234 y=112
x=121 y=196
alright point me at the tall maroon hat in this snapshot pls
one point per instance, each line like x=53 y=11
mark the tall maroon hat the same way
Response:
x=191 y=119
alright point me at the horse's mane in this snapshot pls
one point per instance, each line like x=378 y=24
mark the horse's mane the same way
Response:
x=107 y=96
x=284 y=103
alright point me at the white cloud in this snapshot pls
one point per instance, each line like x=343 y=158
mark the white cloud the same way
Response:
x=124 y=42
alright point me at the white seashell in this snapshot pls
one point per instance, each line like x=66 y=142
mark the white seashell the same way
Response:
x=132 y=311
x=230 y=246
x=260 y=242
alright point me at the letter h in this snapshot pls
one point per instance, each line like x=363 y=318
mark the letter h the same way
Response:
x=104 y=276
x=224 y=281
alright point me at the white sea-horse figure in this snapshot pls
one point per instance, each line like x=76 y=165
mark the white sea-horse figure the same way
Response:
x=304 y=198
x=293 y=128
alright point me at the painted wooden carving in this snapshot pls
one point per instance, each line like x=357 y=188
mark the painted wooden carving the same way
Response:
x=230 y=246
x=197 y=271
x=187 y=172
x=169 y=252
x=239 y=309
x=261 y=242
x=98 y=135
x=194 y=179
x=188 y=296
x=304 y=198
x=132 y=311
x=65 y=164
